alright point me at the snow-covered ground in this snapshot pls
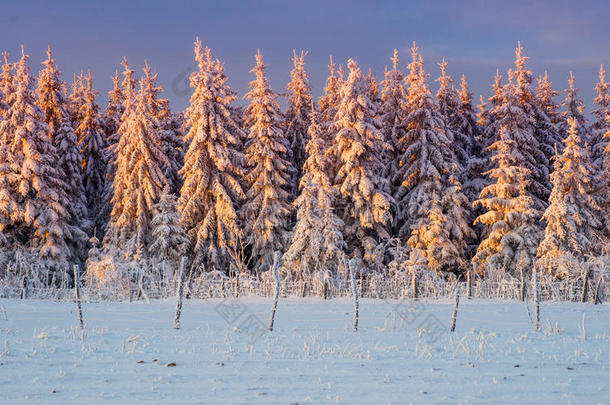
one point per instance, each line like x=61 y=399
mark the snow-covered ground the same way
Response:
x=312 y=356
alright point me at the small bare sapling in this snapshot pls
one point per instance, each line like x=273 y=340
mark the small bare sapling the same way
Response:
x=276 y=276
x=455 y=309
x=77 y=296
x=180 y=291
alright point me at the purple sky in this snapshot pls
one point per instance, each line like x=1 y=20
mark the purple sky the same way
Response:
x=475 y=36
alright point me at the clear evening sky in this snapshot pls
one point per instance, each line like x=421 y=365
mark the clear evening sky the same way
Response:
x=475 y=36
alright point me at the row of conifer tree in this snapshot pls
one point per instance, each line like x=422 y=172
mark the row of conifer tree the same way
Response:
x=387 y=172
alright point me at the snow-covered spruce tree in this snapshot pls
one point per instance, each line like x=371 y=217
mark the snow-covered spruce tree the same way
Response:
x=297 y=115
x=391 y=111
x=169 y=241
x=211 y=191
x=512 y=202
x=51 y=97
x=111 y=121
x=92 y=142
x=431 y=208
x=121 y=97
x=54 y=104
x=473 y=178
x=173 y=146
x=573 y=108
x=7 y=90
x=69 y=161
x=169 y=130
x=439 y=242
x=329 y=102
x=76 y=99
x=533 y=119
x=139 y=181
x=449 y=104
x=356 y=151
x=267 y=207
x=545 y=112
x=573 y=217
x=33 y=197
x=490 y=117
x=601 y=123
x=317 y=245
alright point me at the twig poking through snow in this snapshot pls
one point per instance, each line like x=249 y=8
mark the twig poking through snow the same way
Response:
x=352 y=273
x=77 y=297
x=180 y=291
x=455 y=309
x=276 y=275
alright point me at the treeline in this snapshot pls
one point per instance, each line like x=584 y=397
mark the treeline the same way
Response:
x=405 y=180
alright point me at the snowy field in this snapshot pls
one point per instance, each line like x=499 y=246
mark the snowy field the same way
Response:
x=313 y=356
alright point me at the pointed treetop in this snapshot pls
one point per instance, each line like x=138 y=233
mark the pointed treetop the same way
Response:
x=331 y=66
x=147 y=71
x=203 y=56
x=443 y=65
x=414 y=52
x=602 y=74
x=463 y=85
x=5 y=55
x=445 y=80
x=394 y=59
x=128 y=72
x=465 y=95
x=89 y=81
x=571 y=81
x=299 y=60
x=49 y=52
x=259 y=59
x=519 y=51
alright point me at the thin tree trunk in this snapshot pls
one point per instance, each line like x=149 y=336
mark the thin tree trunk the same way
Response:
x=180 y=292
x=77 y=297
x=414 y=285
x=585 y=285
x=469 y=282
x=276 y=275
x=597 y=298
x=24 y=288
x=522 y=289
x=352 y=273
